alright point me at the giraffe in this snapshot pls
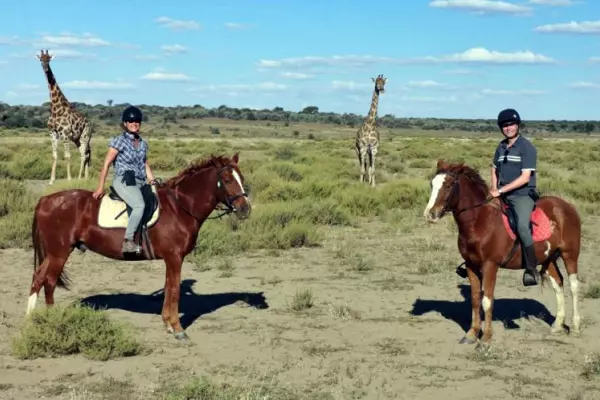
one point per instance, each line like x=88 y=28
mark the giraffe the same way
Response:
x=65 y=123
x=367 y=137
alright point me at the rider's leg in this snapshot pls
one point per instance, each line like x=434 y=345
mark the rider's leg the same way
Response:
x=132 y=195
x=523 y=206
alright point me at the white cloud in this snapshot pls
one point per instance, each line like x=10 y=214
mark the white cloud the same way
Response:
x=59 y=54
x=175 y=24
x=584 y=85
x=350 y=86
x=235 y=25
x=473 y=55
x=595 y=59
x=425 y=84
x=482 y=6
x=506 y=92
x=312 y=61
x=174 y=49
x=429 y=99
x=161 y=76
x=10 y=40
x=482 y=55
x=296 y=75
x=585 y=27
x=554 y=3
x=28 y=86
x=69 y=39
x=146 y=57
x=234 y=90
x=96 y=85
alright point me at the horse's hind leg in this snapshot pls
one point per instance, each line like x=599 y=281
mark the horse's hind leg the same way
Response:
x=557 y=281
x=47 y=275
x=571 y=264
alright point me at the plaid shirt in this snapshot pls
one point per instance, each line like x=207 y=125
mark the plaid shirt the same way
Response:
x=129 y=157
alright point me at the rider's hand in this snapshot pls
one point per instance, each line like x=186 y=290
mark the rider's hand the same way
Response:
x=494 y=193
x=98 y=193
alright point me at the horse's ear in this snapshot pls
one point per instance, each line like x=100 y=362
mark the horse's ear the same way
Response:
x=441 y=164
x=236 y=157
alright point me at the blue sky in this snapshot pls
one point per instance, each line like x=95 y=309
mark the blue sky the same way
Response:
x=447 y=59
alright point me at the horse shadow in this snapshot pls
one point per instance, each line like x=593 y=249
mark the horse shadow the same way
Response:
x=191 y=305
x=506 y=310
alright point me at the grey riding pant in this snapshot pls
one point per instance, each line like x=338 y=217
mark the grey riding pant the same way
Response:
x=132 y=195
x=523 y=206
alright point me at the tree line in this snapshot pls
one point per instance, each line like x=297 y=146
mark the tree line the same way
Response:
x=34 y=116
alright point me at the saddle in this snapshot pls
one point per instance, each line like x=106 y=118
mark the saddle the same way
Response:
x=540 y=225
x=114 y=212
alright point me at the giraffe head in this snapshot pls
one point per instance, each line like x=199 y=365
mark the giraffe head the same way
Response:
x=379 y=83
x=45 y=59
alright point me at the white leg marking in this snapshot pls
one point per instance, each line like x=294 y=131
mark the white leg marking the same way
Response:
x=575 y=294
x=486 y=303
x=436 y=185
x=560 y=305
x=547 y=252
x=31 y=303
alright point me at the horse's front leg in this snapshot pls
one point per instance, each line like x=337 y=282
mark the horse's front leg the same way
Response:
x=174 y=263
x=475 y=282
x=490 y=271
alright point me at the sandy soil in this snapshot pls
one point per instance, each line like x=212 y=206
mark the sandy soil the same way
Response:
x=397 y=338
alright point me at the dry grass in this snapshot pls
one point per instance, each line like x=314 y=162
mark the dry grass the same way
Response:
x=363 y=299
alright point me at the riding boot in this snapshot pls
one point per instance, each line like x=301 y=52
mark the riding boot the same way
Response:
x=129 y=246
x=531 y=276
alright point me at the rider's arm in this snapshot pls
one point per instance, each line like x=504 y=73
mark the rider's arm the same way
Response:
x=493 y=176
x=110 y=157
x=149 y=173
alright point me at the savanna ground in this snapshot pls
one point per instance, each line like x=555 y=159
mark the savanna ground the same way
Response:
x=331 y=290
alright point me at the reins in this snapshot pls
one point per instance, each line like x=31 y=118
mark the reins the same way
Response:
x=228 y=205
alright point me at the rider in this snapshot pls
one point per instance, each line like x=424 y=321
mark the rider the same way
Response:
x=513 y=177
x=127 y=152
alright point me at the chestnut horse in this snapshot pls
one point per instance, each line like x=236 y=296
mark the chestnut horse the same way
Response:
x=68 y=219
x=485 y=244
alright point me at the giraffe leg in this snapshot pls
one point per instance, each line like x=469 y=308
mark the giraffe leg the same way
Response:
x=372 y=165
x=372 y=154
x=67 y=148
x=363 y=164
x=83 y=164
x=54 y=140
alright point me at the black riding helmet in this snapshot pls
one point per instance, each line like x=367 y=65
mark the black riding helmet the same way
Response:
x=132 y=114
x=508 y=115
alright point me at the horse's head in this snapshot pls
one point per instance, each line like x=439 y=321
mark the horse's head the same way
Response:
x=230 y=185
x=445 y=185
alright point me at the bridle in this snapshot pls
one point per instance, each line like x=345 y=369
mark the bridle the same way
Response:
x=228 y=202
x=453 y=191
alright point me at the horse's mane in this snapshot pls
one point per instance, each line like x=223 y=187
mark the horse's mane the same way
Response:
x=478 y=183
x=216 y=161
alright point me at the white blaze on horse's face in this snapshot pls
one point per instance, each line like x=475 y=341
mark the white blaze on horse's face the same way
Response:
x=436 y=185
x=238 y=179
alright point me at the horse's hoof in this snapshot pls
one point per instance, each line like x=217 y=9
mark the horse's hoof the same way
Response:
x=467 y=340
x=483 y=346
x=182 y=336
x=556 y=330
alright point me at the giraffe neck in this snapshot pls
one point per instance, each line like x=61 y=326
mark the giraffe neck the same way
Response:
x=57 y=98
x=373 y=110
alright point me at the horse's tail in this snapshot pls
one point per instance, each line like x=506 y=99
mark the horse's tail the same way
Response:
x=38 y=248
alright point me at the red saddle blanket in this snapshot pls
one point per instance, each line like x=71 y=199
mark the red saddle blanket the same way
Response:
x=542 y=227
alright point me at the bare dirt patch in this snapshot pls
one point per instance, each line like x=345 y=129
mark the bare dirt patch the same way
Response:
x=389 y=330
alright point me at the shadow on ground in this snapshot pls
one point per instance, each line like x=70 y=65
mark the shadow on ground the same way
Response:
x=191 y=305
x=506 y=310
